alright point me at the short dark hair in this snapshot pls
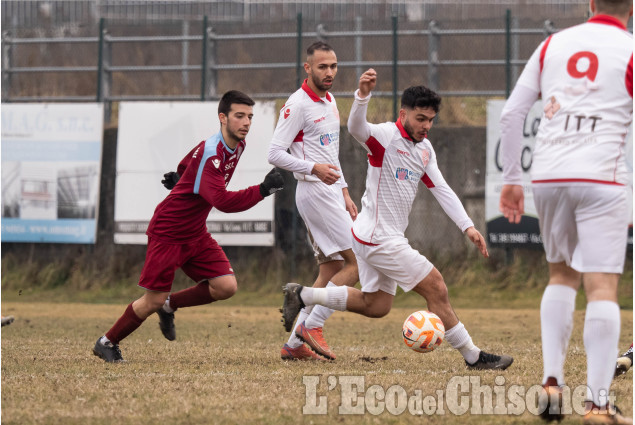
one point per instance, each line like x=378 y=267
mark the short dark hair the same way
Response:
x=613 y=7
x=318 y=45
x=420 y=97
x=232 y=97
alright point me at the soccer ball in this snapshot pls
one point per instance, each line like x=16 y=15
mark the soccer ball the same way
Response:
x=423 y=331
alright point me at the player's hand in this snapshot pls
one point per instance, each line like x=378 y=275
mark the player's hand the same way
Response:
x=328 y=173
x=272 y=183
x=512 y=202
x=350 y=205
x=170 y=179
x=367 y=82
x=478 y=240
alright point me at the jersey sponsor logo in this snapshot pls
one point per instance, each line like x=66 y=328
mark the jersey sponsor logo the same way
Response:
x=319 y=119
x=216 y=162
x=405 y=174
x=551 y=108
x=196 y=152
x=425 y=156
x=230 y=166
x=328 y=138
x=399 y=151
x=287 y=112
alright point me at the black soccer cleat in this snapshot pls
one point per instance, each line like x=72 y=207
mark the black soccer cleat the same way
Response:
x=624 y=362
x=292 y=304
x=109 y=352
x=166 y=323
x=490 y=361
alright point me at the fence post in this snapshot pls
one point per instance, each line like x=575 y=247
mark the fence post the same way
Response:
x=358 y=46
x=204 y=63
x=7 y=53
x=100 y=61
x=515 y=48
x=185 y=53
x=508 y=54
x=298 y=58
x=294 y=211
x=395 y=68
x=433 y=56
x=104 y=77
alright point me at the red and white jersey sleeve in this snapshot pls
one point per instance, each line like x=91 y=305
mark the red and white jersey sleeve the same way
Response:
x=309 y=126
x=396 y=166
x=584 y=74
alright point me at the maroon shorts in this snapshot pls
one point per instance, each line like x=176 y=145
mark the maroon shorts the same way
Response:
x=201 y=260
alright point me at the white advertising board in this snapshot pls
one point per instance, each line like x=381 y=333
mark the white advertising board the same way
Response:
x=153 y=138
x=51 y=166
x=527 y=232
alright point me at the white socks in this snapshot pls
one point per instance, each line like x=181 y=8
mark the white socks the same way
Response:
x=601 y=336
x=320 y=313
x=333 y=297
x=294 y=341
x=459 y=339
x=166 y=307
x=556 y=323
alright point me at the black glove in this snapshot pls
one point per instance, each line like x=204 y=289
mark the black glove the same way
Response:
x=272 y=183
x=170 y=179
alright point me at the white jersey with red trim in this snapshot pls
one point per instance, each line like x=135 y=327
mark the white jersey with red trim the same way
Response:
x=396 y=165
x=309 y=126
x=585 y=75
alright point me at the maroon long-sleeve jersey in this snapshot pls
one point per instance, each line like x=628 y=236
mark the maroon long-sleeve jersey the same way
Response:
x=205 y=173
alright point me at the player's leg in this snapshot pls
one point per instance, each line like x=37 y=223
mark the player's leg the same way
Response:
x=328 y=225
x=156 y=277
x=560 y=236
x=311 y=327
x=295 y=349
x=204 y=262
x=434 y=290
x=602 y=219
x=601 y=336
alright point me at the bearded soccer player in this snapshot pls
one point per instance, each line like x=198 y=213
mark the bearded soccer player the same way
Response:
x=309 y=127
x=178 y=236
x=399 y=158
x=579 y=176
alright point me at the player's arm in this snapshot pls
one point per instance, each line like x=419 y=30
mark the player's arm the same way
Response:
x=212 y=188
x=524 y=95
x=288 y=130
x=349 y=204
x=359 y=128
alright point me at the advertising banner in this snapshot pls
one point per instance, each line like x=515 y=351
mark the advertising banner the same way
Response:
x=51 y=165
x=154 y=137
x=527 y=233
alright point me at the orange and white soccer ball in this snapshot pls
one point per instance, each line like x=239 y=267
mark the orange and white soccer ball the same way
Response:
x=423 y=331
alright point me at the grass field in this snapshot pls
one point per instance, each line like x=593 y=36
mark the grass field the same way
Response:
x=225 y=368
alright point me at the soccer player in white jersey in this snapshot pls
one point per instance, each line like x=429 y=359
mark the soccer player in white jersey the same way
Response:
x=309 y=127
x=399 y=157
x=585 y=76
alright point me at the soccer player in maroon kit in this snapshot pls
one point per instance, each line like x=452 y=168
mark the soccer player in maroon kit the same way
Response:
x=178 y=236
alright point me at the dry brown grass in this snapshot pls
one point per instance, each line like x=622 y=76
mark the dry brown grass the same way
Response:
x=225 y=367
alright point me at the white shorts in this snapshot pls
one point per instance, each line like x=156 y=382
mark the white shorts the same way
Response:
x=384 y=266
x=584 y=225
x=324 y=213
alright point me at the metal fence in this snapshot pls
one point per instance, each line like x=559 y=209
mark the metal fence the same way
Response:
x=198 y=61
x=42 y=13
